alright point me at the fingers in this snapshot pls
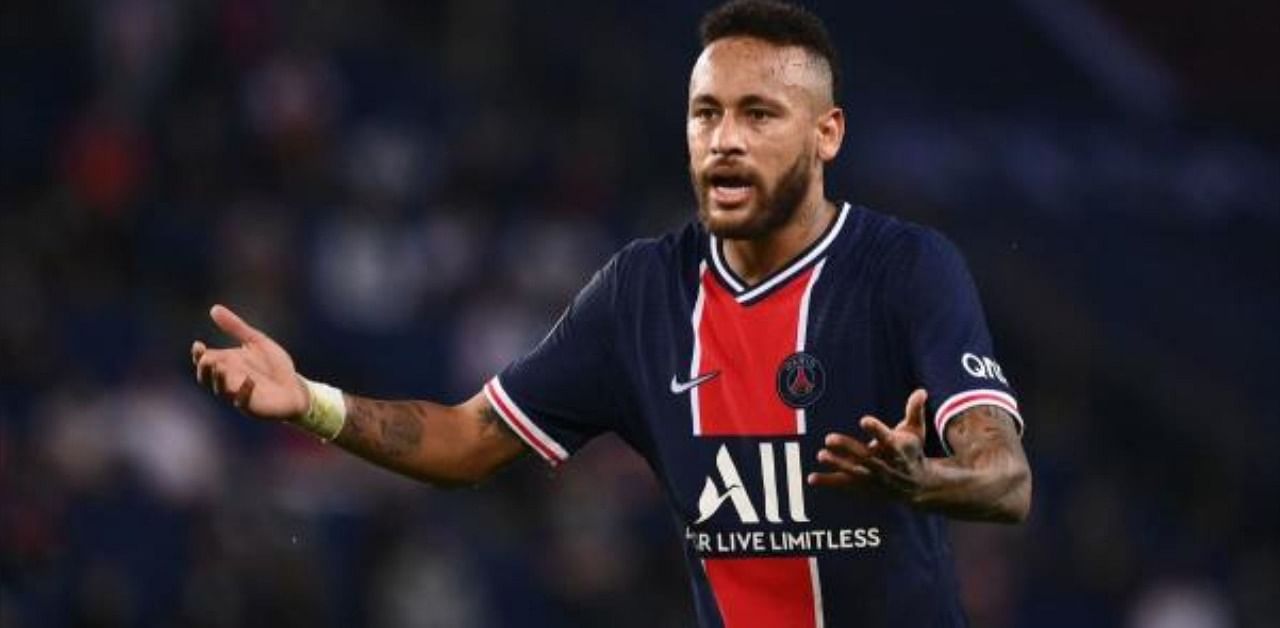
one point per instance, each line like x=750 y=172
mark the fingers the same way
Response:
x=865 y=485
x=218 y=380
x=846 y=445
x=913 y=416
x=221 y=371
x=850 y=456
x=231 y=324
x=197 y=349
x=837 y=480
x=850 y=465
x=204 y=367
x=229 y=384
x=243 y=395
x=877 y=428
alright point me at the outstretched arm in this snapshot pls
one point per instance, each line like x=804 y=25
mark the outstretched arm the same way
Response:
x=986 y=479
x=442 y=445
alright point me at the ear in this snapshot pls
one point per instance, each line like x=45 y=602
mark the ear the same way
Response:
x=830 y=133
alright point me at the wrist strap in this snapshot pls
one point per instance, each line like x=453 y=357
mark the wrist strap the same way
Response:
x=327 y=411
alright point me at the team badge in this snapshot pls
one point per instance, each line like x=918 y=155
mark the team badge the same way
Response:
x=801 y=380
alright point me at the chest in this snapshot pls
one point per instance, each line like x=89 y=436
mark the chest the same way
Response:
x=742 y=395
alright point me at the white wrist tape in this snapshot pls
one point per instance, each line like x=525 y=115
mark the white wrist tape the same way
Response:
x=327 y=411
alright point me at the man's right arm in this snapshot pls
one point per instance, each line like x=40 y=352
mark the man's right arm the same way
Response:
x=443 y=445
x=446 y=446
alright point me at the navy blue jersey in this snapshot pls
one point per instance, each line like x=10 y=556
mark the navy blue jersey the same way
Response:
x=727 y=390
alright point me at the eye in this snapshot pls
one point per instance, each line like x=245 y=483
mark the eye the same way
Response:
x=704 y=114
x=758 y=114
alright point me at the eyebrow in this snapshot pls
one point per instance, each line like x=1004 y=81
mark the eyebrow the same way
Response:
x=750 y=100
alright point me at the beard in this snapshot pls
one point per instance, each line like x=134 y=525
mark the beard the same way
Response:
x=774 y=206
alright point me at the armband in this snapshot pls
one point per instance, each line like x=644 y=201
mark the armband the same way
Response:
x=326 y=411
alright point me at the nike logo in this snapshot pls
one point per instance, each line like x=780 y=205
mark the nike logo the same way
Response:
x=679 y=388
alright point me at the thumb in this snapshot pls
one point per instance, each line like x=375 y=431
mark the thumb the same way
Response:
x=233 y=325
x=913 y=419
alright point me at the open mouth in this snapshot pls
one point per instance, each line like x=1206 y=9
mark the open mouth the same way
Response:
x=730 y=190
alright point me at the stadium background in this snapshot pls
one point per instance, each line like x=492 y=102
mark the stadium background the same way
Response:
x=406 y=193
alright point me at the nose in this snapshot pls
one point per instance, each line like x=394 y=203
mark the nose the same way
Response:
x=726 y=138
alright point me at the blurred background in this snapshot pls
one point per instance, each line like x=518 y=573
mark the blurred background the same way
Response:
x=1110 y=167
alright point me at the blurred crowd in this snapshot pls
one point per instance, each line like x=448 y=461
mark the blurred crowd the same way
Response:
x=406 y=194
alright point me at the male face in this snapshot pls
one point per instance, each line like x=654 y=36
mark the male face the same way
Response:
x=760 y=122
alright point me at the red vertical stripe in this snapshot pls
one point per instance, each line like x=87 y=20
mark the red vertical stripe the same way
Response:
x=747 y=344
x=762 y=592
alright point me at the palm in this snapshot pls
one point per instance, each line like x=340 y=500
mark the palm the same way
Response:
x=257 y=375
x=893 y=460
x=271 y=369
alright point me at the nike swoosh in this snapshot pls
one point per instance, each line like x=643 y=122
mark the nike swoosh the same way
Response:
x=679 y=388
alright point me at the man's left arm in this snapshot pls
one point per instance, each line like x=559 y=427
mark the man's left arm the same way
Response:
x=986 y=478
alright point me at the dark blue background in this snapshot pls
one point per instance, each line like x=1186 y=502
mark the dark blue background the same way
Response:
x=406 y=194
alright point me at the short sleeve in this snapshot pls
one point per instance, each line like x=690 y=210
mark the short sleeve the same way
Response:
x=564 y=392
x=947 y=338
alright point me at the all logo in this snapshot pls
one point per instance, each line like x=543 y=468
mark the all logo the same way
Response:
x=801 y=380
x=735 y=492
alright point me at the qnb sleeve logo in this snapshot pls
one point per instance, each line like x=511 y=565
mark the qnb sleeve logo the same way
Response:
x=983 y=367
x=735 y=492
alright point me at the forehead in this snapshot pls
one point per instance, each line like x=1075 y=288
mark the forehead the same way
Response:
x=735 y=66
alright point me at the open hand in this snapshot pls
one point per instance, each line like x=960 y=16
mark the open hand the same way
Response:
x=257 y=376
x=892 y=464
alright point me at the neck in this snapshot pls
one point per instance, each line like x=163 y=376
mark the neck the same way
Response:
x=757 y=258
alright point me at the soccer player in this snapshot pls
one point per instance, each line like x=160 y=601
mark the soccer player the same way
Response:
x=750 y=359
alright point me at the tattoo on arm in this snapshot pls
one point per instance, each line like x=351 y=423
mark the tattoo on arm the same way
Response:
x=442 y=445
x=489 y=417
x=987 y=478
x=383 y=431
x=979 y=430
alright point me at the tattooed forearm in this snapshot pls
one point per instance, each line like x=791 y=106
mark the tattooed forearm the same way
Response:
x=987 y=478
x=447 y=446
x=382 y=430
x=981 y=431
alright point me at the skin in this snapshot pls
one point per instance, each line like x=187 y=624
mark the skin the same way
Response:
x=760 y=118
x=447 y=446
x=762 y=112
x=987 y=477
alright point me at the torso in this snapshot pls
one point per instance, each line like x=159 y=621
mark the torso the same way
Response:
x=735 y=388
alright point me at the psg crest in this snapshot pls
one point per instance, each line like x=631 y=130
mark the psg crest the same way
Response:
x=801 y=380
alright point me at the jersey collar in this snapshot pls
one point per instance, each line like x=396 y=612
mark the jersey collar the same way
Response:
x=746 y=294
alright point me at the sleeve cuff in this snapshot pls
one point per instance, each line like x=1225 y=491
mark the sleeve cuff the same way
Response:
x=522 y=425
x=959 y=402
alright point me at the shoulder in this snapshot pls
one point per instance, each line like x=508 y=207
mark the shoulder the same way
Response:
x=904 y=261
x=644 y=256
x=643 y=264
x=901 y=244
x=895 y=245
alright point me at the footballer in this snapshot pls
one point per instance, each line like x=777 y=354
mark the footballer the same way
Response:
x=813 y=382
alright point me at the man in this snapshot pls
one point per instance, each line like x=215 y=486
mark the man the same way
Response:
x=737 y=356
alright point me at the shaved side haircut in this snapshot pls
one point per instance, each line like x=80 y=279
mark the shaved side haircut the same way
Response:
x=778 y=23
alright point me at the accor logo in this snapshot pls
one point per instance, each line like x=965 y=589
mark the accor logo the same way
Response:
x=735 y=493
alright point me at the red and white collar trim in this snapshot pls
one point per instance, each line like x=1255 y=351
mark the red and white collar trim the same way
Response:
x=747 y=294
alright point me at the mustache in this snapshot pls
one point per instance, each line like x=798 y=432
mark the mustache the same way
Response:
x=724 y=173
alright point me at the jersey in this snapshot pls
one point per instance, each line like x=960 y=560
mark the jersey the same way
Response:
x=727 y=390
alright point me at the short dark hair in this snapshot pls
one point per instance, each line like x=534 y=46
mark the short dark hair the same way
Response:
x=776 y=22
